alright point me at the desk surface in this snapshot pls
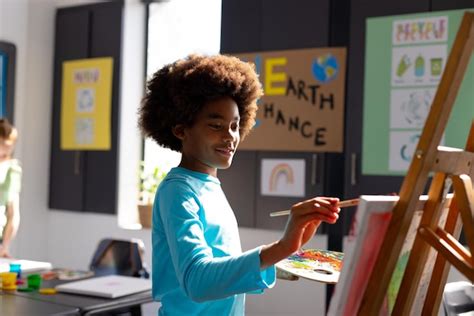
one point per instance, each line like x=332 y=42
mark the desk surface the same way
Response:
x=11 y=304
x=86 y=304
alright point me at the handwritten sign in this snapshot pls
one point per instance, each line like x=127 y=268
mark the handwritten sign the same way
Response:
x=303 y=104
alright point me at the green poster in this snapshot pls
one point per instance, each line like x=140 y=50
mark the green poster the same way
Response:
x=404 y=61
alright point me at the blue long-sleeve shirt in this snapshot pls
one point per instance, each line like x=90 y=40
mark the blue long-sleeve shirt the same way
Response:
x=198 y=267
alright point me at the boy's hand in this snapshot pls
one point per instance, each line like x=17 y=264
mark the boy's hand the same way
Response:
x=304 y=220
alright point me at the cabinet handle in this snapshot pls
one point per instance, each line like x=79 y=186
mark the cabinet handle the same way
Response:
x=353 y=168
x=314 y=168
x=77 y=161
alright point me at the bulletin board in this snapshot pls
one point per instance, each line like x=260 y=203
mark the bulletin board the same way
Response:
x=404 y=61
x=302 y=109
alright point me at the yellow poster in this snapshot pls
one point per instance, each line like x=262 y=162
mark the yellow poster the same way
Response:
x=86 y=104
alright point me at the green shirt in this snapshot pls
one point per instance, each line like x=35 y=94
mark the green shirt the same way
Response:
x=10 y=187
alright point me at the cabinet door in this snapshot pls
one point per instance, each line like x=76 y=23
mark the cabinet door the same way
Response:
x=239 y=183
x=238 y=36
x=86 y=180
x=67 y=167
x=294 y=24
x=101 y=173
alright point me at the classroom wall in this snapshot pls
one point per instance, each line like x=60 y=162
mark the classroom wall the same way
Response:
x=68 y=239
x=31 y=34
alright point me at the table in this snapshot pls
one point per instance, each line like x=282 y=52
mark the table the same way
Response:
x=83 y=304
x=11 y=304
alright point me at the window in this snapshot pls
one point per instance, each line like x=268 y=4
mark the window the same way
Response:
x=176 y=29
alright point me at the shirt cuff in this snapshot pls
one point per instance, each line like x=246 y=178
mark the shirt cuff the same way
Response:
x=265 y=278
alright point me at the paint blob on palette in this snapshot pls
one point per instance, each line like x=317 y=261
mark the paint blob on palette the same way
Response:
x=314 y=264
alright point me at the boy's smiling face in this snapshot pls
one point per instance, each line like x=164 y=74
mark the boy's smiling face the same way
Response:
x=210 y=143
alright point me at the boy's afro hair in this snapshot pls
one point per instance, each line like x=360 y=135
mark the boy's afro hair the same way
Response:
x=178 y=91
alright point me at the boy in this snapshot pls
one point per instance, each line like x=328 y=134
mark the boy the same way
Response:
x=202 y=107
x=10 y=184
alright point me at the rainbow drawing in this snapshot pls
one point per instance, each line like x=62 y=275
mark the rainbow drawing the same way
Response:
x=282 y=169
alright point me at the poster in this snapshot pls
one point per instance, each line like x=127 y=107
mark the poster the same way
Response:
x=303 y=104
x=283 y=177
x=86 y=104
x=404 y=61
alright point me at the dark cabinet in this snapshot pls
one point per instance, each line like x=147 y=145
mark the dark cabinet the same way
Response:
x=86 y=180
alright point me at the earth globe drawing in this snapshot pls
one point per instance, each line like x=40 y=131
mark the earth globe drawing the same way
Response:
x=325 y=68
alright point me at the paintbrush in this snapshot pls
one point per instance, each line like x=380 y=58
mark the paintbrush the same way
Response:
x=341 y=204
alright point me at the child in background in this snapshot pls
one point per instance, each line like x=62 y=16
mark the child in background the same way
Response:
x=202 y=107
x=10 y=185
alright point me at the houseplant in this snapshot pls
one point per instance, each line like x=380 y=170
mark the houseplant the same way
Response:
x=149 y=181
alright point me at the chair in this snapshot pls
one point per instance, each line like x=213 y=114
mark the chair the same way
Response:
x=458 y=298
x=120 y=257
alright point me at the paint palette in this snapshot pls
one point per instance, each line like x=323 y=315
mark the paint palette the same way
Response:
x=314 y=264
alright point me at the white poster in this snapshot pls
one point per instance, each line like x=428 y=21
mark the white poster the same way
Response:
x=418 y=65
x=402 y=148
x=283 y=177
x=409 y=108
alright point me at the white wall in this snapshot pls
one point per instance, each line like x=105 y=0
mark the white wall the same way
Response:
x=32 y=36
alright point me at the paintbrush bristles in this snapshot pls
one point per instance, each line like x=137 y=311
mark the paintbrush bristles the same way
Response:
x=341 y=204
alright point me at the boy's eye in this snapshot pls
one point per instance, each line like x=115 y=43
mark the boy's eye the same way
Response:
x=215 y=126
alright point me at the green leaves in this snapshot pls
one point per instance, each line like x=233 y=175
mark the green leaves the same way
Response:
x=149 y=182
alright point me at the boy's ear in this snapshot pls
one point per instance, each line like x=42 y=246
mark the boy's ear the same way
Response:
x=178 y=131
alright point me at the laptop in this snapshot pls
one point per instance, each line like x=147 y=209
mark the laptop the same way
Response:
x=110 y=286
x=26 y=265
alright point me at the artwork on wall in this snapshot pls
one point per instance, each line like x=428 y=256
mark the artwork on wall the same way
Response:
x=86 y=104
x=405 y=58
x=283 y=177
x=302 y=109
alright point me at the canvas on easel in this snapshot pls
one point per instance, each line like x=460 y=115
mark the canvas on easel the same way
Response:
x=361 y=249
x=451 y=168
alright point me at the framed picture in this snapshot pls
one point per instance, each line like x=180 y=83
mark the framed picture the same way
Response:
x=7 y=79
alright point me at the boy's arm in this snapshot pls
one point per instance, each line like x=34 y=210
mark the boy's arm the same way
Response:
x=303 y=222
x=11 y=227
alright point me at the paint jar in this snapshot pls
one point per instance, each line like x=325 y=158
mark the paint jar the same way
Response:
x=8 y=280
x=16 y=267
x=34 y=281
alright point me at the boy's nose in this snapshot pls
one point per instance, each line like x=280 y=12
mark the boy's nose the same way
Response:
x=229 y=135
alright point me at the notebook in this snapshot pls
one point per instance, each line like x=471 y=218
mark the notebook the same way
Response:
x=110 y=286
x=26 y=265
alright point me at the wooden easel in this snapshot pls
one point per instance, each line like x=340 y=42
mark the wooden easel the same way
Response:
x=449 y=165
